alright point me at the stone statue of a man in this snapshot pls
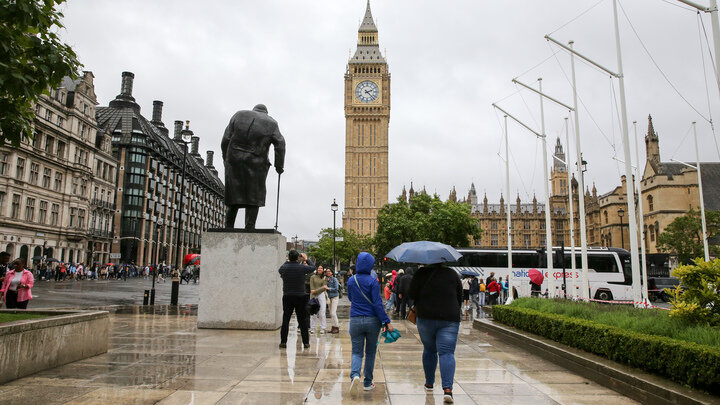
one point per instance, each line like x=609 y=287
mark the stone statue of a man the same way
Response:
x=245 y=148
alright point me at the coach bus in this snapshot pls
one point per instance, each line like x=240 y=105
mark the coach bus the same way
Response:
x=609 y=274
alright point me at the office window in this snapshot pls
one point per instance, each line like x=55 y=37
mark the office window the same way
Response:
x=61 y=150
x=15 y=207
x=29 y=209
x=37 y=138
x=46 y=178
x=34 y=173
x=74 y=185
x=83 y=187
x=3 y=163
x=73 y=211
x=48 y=115
x=20 y=172
x=49 y=144
x=81 y=218
x=58 y=181
x=42 y=213
x=54 y=214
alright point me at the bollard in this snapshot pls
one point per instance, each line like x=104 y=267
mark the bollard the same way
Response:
x=152 y=297
x=145 y=297
x=175 y=289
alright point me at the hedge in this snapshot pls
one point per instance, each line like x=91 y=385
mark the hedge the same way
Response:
x=688 y=363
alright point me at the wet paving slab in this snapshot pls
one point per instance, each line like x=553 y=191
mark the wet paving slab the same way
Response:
x=159 y=356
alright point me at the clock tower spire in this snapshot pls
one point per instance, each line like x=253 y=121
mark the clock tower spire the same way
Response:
x=367 y=116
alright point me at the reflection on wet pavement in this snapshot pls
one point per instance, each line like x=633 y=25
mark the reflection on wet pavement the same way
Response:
x=163 y=358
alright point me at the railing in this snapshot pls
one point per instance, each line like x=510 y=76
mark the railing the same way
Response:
x=100 y=233
x=104 y=204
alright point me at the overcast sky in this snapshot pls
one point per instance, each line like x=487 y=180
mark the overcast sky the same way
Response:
x=448 y=60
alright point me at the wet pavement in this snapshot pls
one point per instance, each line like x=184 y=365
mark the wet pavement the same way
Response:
x=165 y=359
x=85 y=293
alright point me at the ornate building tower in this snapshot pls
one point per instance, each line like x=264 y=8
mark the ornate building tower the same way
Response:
x=367 y=115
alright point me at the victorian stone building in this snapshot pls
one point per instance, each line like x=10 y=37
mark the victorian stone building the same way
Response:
x=669 y=190
x=57 y=191
x=367 y=116
x=150 y=179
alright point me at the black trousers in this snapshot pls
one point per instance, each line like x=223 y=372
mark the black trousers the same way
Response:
x=297 y=303
x=11 y=301
x=405 y=302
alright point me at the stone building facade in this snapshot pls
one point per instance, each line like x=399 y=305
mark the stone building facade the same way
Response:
x=57 y=191
x=367 y=116
x=669 y=190
x=150 y=181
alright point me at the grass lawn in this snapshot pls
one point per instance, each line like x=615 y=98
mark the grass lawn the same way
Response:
x=648 y=321
x=4 y=318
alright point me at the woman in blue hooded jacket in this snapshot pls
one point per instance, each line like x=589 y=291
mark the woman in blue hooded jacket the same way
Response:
x=367 y=316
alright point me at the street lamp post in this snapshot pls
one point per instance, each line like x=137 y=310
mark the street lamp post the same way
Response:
x=334 y=208
x=621 y=213
x=185 y=138
x=295 y=239
x=157 y=256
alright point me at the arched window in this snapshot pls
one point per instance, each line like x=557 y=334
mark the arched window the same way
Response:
x=650 y=202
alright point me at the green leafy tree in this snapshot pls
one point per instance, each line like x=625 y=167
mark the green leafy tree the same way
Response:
x=697 y=298
x=345 y=251
x=32 y=60
x=424 y=217
x=683 y=237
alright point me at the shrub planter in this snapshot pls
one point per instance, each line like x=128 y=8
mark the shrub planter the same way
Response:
x=33 y=345
x=688 y=363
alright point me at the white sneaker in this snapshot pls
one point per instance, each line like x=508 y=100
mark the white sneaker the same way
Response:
x=354 y=385
x=322 y=331
x=369 y=387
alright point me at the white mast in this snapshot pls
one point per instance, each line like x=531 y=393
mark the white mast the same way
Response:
x=702 y=200
x=641 y=217
x=581 y=187
x=507 y=199
x=546 y=179
x=629 y=192
x=573 y=265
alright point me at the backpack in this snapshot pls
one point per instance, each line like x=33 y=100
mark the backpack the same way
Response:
x=482 y=287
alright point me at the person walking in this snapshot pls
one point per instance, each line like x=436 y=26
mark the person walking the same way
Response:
x=494 y=291
x=318 y=287
x=391 y=286
x=294 y=296
x=482 y=295
x=437 y=293
x=474 y=292
x=17 y=285
x=333 y=294
x=367 y=316
x=466 y=293
x=403 y=287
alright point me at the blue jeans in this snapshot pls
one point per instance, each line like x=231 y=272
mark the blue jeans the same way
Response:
x=389 y=303
x=364 y=331
x=439 y=339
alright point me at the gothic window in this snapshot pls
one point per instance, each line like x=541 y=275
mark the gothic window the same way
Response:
x=650 y=203
x=494 y=225
x=29 y=209
x=54 y=213
x=15 y=207
x=493 y=240
x=42 y=217
x=606 y=216
x=651 y=228
x=46 y=178
x=3 y=163
x=657 y=229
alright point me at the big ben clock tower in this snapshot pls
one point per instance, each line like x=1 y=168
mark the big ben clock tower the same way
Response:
x=367 y=115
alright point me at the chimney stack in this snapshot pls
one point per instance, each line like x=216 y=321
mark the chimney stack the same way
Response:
x=127 y=84
x=195 y=145
x=209 y=160
x=157 y=112
x=178 y=129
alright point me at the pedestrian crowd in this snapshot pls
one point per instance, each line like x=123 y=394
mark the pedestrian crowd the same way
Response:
x=431 y=296
x=69 y=271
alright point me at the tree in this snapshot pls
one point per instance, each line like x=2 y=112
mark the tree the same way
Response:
x=32 y=61
x=683 y=237
x=424 y=218
x=345 y=251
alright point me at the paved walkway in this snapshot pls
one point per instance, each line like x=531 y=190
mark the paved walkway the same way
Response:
x=167 y=360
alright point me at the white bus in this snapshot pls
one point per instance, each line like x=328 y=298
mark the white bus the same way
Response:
x=609 y=274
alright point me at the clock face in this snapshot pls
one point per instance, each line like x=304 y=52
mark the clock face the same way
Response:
x=367 y=91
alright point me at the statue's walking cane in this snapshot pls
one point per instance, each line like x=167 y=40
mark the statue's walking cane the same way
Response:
x=277 y=206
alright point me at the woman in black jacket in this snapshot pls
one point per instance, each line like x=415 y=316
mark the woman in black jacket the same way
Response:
x=437 y=293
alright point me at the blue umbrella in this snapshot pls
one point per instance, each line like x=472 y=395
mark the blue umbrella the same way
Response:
x=468 y=273
x=424 y=252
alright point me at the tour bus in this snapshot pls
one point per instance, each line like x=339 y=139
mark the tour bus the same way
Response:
x=609 y=274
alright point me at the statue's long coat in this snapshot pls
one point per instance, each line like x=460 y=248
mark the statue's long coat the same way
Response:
x=245 y=148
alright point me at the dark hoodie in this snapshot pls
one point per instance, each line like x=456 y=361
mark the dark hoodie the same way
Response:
x=365 y=283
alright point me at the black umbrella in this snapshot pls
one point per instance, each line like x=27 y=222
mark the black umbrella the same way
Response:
x=51 y=259
x=37 y=258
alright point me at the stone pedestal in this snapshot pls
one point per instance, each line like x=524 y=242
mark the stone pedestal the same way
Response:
x=240 y=287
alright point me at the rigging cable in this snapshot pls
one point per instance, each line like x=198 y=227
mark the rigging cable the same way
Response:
x=707 y=88
x=578 y=16
x=658 y=66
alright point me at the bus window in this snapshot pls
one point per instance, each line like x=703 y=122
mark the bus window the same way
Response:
x=567 y=264
x=526 y=260
x=602 y=263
